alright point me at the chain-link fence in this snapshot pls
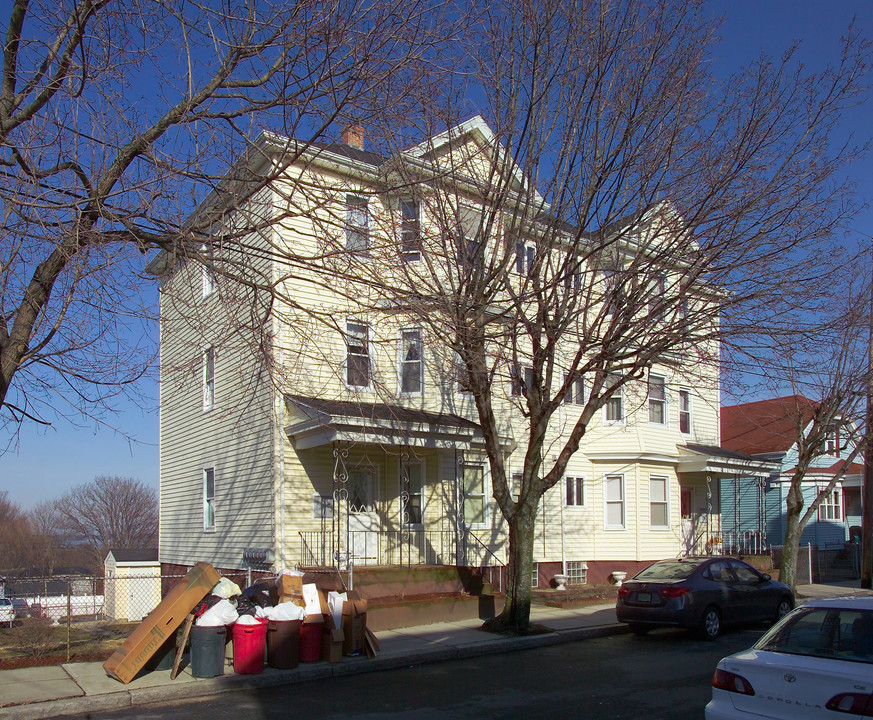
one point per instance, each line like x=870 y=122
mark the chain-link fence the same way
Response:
x=77 y=617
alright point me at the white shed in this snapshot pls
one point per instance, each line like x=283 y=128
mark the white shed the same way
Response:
x=133 y=583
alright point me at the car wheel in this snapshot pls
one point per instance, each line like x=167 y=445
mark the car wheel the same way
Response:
x=639 y=630
x=783 y=608
x=710 y=624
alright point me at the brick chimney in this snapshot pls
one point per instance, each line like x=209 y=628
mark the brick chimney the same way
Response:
x=353 y=135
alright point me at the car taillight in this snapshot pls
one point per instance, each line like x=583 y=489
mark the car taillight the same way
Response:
x=853 y=703
x=731 y=682
x=623 y=591
x=672 y=592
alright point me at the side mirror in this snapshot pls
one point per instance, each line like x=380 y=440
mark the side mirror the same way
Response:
x=765 y=577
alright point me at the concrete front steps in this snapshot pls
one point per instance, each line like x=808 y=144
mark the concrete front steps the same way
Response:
x=406 y=596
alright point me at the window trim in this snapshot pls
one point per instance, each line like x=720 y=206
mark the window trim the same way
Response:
x=208 y=378
x=371 y=365
x=578 y=485
x=401 y=362
x=665 y=405
x=519 y=379
x=654 y=308
x=575 y=393
x=525 y=257
x=410 y=230
x=665 y=502
x=829 y=508
x=687 y=411
x=208 y=502
x=607 y=502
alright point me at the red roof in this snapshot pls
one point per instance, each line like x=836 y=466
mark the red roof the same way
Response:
x=765 y=426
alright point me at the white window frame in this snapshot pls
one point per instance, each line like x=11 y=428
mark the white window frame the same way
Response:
x=657 y=290
x=357 y=226
x=348 y=354
x=421 y=494
x=410 y=230
x=535 y=574
x=685 y=393
x=402 y=362
x=831 y=508
x=208 y=378
x=207 y=277
x=521 y=376
x=622 y=502
x=574 y=486
x=515 y=479
x=484 y=494
x=623 y=411
x=525 y=258
x=577 y=572
x=665 y=503
x=650 y=401
x=208 y=500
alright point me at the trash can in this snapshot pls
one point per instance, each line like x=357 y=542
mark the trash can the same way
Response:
x=310 y=642
x=248 y=647
x=283 y=643
x=207 y=651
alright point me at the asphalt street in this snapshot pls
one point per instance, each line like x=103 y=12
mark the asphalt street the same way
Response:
x=665 y=675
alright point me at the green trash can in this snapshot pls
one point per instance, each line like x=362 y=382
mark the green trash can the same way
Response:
x=207 y=651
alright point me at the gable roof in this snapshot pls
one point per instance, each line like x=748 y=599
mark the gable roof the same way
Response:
x=765 y=426
x=125 y=555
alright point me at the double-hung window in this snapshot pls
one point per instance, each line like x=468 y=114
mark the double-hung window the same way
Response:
x=522 y=377
x=657 y=290
x=357 y=354
x=209 y=499
x=612 y=292
x=357 y=224
x=575 y=393
x=659 y=509
x=614 y=499
x=411 y=370
x=525 y=257
x=410 y=231
x=614 y=409
x=685 y=411
x=208 y=378
x=657 y=400
x=473 y=486
x=832 y=506
x=515 y=484
x=574 y=494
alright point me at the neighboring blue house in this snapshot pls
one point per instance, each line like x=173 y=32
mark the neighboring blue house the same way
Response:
x=754 y=507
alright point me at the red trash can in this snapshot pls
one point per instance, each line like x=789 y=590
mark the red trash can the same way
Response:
x=310 y=641
x=248 y=647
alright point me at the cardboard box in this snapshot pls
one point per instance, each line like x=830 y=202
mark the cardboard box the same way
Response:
x=354 y=624
x=332 y=643
x=290 y=585
x=161 y=623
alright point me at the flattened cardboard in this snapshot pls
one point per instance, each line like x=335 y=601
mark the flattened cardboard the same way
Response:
x=161 y=623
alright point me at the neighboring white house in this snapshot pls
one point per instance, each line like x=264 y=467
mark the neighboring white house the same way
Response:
x=361 y=442
x=132 y=583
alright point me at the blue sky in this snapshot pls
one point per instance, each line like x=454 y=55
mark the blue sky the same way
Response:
x=50 y=461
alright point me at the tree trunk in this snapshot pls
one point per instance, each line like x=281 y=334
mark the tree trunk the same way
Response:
x=793 y=531
x=515 y=617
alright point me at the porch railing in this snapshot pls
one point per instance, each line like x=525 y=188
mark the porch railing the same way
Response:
x=747 y=542
x=383 y=547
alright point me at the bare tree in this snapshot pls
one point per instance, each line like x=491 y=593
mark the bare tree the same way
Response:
x=110 y=512
x=629 y=216
x=14 y=536
x=114 y=121
x=48 y=535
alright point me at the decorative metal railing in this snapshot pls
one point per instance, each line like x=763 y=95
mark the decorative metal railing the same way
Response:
x=383 y=547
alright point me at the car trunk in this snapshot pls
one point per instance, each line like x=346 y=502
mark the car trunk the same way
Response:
x=795 y=687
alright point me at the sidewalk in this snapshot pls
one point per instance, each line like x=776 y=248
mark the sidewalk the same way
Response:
x=45 y=692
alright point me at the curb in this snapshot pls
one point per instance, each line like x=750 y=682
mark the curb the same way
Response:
x=210 y=687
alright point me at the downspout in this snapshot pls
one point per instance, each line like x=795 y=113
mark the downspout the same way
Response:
x=563 y=555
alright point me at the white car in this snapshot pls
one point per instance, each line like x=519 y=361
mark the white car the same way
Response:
x=7 y=612
x=817 y=662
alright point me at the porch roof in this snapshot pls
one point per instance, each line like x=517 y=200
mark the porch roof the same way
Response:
x=315 y=421
x=721 y=461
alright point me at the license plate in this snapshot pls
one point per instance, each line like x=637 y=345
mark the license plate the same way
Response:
x=644 y=597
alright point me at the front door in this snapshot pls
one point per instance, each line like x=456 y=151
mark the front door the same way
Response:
x=688 y=524
x=363 y=520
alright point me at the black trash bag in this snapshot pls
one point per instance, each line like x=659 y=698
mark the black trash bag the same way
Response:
x=245 y=605
x=262 y=593
x=205 y=604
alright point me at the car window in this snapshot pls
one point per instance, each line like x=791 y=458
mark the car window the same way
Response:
x=745 y=573
x=4 y=601
x=720 y=572
x=674 y=570
x=824 y=632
